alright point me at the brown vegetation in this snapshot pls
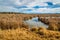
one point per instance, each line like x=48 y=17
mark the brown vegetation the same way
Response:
x=18 y=34
x=12 y=27
x=53 y=26
x=48 y=34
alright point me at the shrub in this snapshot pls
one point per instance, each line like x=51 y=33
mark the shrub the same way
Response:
x=41 y=30
x=34 y=29
x=24 y=25
x=53 y=26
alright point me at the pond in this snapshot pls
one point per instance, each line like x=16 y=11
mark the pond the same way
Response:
x=35 y=23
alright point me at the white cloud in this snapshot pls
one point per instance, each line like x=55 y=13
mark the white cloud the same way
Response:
x=36 y=3
x=56 y=1
x=42 y=10
x=10 y=2
x=11 y=5
x=49 y=10
x=8 y=9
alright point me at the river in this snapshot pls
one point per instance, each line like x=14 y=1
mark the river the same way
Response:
x=35 y=23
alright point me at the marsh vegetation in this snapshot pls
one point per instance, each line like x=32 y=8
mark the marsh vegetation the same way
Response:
x=13 y=27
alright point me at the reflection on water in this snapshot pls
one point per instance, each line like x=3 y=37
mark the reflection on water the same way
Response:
x=35 y=23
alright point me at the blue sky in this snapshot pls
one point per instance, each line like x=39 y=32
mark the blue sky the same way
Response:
x=30 y=6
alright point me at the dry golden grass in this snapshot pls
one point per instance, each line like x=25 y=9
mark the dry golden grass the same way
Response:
x=53 y=26
x=12 y=27
x=47 y=34
x=18 y=34
x=26 y=34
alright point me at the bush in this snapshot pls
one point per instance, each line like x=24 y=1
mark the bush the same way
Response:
x=53 y=26
x=24 y=25
x=34 y=29
x=41 y=30
x=9 y=25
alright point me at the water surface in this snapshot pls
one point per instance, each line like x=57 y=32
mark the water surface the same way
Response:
x=35 y=23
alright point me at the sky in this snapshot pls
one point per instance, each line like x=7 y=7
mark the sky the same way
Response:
x=30 y=6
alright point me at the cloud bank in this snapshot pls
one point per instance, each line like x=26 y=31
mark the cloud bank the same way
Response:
x=30 y=6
